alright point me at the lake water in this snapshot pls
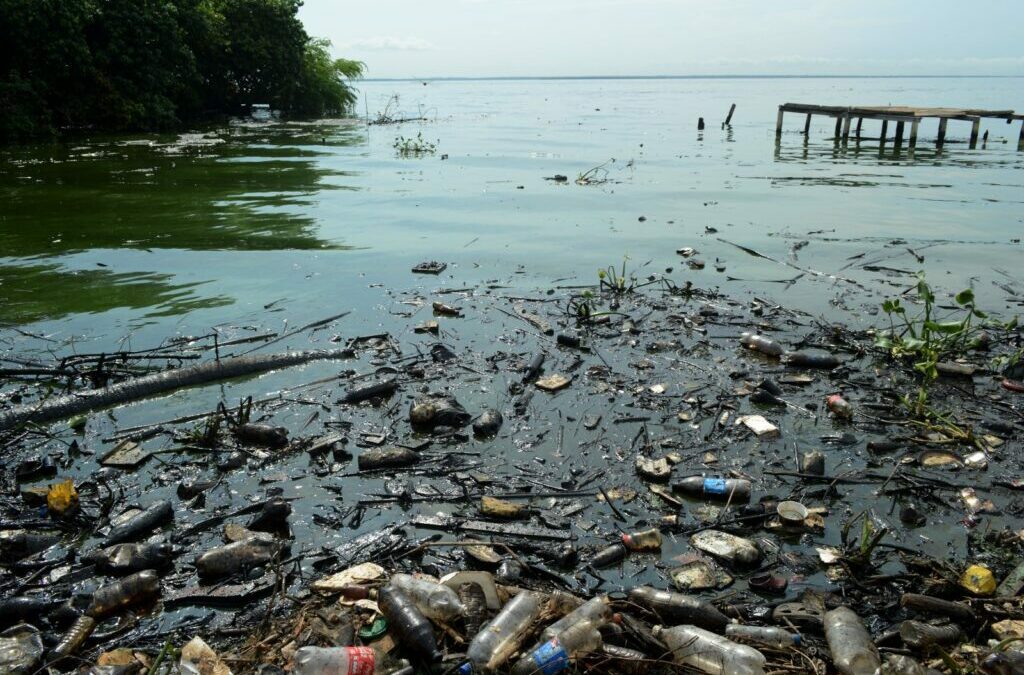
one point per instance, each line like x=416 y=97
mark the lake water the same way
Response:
x=149 y=235
x=123 y=242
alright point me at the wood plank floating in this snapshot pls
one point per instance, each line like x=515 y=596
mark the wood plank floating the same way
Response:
x=901 y=115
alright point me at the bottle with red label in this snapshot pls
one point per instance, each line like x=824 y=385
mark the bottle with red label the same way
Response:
x=647 y=540
x=344 y=661
x=839 y=406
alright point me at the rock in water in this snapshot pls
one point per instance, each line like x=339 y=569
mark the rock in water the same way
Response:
x=488 y=423
x=438 y=410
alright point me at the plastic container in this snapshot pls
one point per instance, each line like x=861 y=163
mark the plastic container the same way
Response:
x=647 y=540
x=760 y=343
x=436 y=601
x=609 y=556
x=839 y=406
x=343 y=661
x=597 y=611
x=133 y=589
x=493 y=645
x=792 y=513
x=679 y=608
x=410 y=626
x=710 y=653
x=475 y=603
x=853 y=652
x=766 y=635
x=737 y=489
x=557 y=653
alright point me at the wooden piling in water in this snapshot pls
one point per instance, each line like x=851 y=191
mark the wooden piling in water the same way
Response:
x=728 y=118
x=899 y=114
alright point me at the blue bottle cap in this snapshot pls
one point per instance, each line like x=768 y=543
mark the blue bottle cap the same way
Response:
x=466 y=668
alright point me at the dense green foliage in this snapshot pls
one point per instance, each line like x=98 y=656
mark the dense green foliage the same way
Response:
x=156 y=64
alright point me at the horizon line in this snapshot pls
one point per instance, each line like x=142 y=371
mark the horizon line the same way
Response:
x=731 y=76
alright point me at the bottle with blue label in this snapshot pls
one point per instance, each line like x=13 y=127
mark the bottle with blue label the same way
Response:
x=736 y=489
x=558 y=653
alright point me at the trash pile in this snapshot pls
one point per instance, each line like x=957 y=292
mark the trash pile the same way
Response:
x=642 y=477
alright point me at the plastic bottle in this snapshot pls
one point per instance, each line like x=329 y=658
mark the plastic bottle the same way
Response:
x=767 y=635
x=343 y=661
x=436 y=601
x=853 y=652
x=710 y=653
x=679 y=608
x=475 y=603
x=737 y=489
x=647 y=540
x=558 y=652
x=127 y=558
x=760 y=343
x=597 y=611
x=502 y=636
x=128 y=591
x=839 y=406
x=228 y=559
x=609 y=556
x=412 y=628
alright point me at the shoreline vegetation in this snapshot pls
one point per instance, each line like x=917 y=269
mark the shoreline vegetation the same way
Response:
x=150 y=65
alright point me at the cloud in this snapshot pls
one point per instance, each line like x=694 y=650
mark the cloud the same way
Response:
x=392 y=43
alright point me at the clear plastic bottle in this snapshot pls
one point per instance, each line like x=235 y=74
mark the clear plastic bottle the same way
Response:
x=597 y=611
x=647 y=540
x=766 y=635
x=853 y=652
x=344 y=661
x=558 y=652
x=679 y=608
x=502 y=636
x=710 y=653
x=760 y=343
x=737 y=489
x=436 y=601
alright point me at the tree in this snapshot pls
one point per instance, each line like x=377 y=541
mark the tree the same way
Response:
x=156 y=64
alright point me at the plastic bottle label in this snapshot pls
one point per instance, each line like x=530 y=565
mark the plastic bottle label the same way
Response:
x=551 y=658
x=361 y=661
x=714 y=486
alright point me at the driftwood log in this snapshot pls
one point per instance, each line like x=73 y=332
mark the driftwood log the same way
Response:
x=77 y=403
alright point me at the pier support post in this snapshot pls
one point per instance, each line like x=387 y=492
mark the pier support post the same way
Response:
x=839 y=127
x=728 y=118
x=913 y=132
x=899 y=134
x=885 y=132
x=1020 y=139
x=846 y=128
x=807 y=125
x=860 y=122
x=941 y=138
x=778 y=123
x=975 y=128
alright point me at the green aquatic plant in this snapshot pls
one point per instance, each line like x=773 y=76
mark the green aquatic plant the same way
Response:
x=616 y=282
x=414 y=147
x=925 y=339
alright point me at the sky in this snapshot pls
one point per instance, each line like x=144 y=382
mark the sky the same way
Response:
x=550 y=38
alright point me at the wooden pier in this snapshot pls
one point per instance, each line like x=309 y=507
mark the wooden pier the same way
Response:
x=902 y=116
